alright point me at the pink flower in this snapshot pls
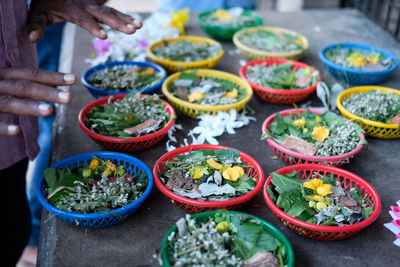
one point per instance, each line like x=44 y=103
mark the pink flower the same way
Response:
x=101 y=46
x=142 y=44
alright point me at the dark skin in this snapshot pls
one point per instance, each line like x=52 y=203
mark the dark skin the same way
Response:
x=21 y=89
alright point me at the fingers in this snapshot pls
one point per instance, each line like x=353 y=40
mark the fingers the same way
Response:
x=114 y=19
x=24 y=107
x=34 y=91
x=36 y=27
x=9 y=129
x=37 y=75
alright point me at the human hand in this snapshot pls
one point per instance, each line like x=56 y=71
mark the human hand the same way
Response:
x=85 y=13
x=21 y=89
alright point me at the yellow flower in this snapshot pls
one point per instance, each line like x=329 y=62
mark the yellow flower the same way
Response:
x=374 y=59
x=318 y=119
x=321 y=205
x=299 y=41
x=198 y=171
x=110 y=165
x=196 y=96
x=300 y=122
x=197 y=175
x=214 y=164
x=360 y=61
x=324 y=190
x=149 y=70
x=232 y=94
x=356 y=59
x=222 y=227
x=316 y=198
x=313 y=184
x=128 y=117
x=222 y=14
x=233 y=173
x=320 y=133
x=94 y=163
x=179 y=19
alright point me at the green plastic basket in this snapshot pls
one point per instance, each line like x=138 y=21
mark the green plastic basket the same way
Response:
x=204 y=216
x=223 y=32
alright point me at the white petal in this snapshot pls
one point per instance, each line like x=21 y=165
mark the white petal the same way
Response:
x=211 y=140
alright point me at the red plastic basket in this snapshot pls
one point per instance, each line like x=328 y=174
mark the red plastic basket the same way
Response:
x=279 y=96
x=196 y=206
x=293 y=157
x=130 y=144
x=327 y=233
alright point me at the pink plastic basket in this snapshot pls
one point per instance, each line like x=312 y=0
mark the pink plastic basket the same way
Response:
x=293 y=157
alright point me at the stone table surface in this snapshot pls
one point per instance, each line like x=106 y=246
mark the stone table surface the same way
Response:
x=135 y=241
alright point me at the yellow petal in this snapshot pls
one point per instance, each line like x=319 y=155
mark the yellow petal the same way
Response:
x=240 y=170
x=318 y=119
x=197 y=175
x=214 y=164
x=196 y=96
x=320 y=133
x=313 y=184
x=315 y=197
x=233 y=94
x=324 y=190
x=300 y=122
x=222 y=14
x=149 y=70
x=231 y=174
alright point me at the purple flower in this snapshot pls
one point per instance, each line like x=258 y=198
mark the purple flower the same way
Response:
x=143 y=43
x=101 y=46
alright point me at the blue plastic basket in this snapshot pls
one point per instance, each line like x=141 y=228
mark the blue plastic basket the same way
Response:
x=354 y=76
x=101 y=68
x=98 y=220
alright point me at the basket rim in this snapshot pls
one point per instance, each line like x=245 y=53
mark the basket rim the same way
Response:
x=228 y=28
x=120 y=140
x=329 y=63
x=273 y=230
x=321 y=228
x=194 y=202
x=99 y=215
x=101 y=66
x=266 y=53
x=273 y=143
x=279 y=61
x=189 y=38
x=360 y=89
x=209 y=73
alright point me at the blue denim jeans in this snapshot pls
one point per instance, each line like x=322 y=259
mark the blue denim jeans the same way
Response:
x=48 y=49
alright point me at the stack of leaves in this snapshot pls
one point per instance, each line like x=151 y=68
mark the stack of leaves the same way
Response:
x=283 y=76
x=232 y=17
x=374 y=105
x=100 y=187
x=208 y=175
x=207 y=91
x=132 y=116
x=119 y=79
x=272 y=41
x=321 y=200
x=186 y=51
x=359 y=59
x=224 y=240
x=311 y=134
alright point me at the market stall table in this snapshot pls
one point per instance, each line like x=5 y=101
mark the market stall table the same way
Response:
x=135 y=241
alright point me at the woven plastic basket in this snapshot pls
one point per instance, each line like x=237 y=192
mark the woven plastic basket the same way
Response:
x=293 y=157
x=354 y=76
x=125 y=65
x=121 y=144
x=194 y=110
x=174 y=66
x=279 y=96
x=224 y=32
x=204 y=217
x=97 y=220
x=252 y=53
x=196 y=206
x=371 y=128
x=347 y=180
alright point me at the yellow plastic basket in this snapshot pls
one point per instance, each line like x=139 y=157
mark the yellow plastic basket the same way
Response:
x=371 y=128
x=174 y=66
x=194 y=110
x=252 y=53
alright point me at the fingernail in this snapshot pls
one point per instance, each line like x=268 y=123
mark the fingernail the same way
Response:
x=70 y=78
x=44 y=109
x=103 y=33
x=64 y=96
x=32 y=35
x=13 y=129
x=130 y=26
x=137 y=23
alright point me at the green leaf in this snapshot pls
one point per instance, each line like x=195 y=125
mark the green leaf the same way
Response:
x=50 y=176
x=188 y=76
x=286 y=183
x=267 y=242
